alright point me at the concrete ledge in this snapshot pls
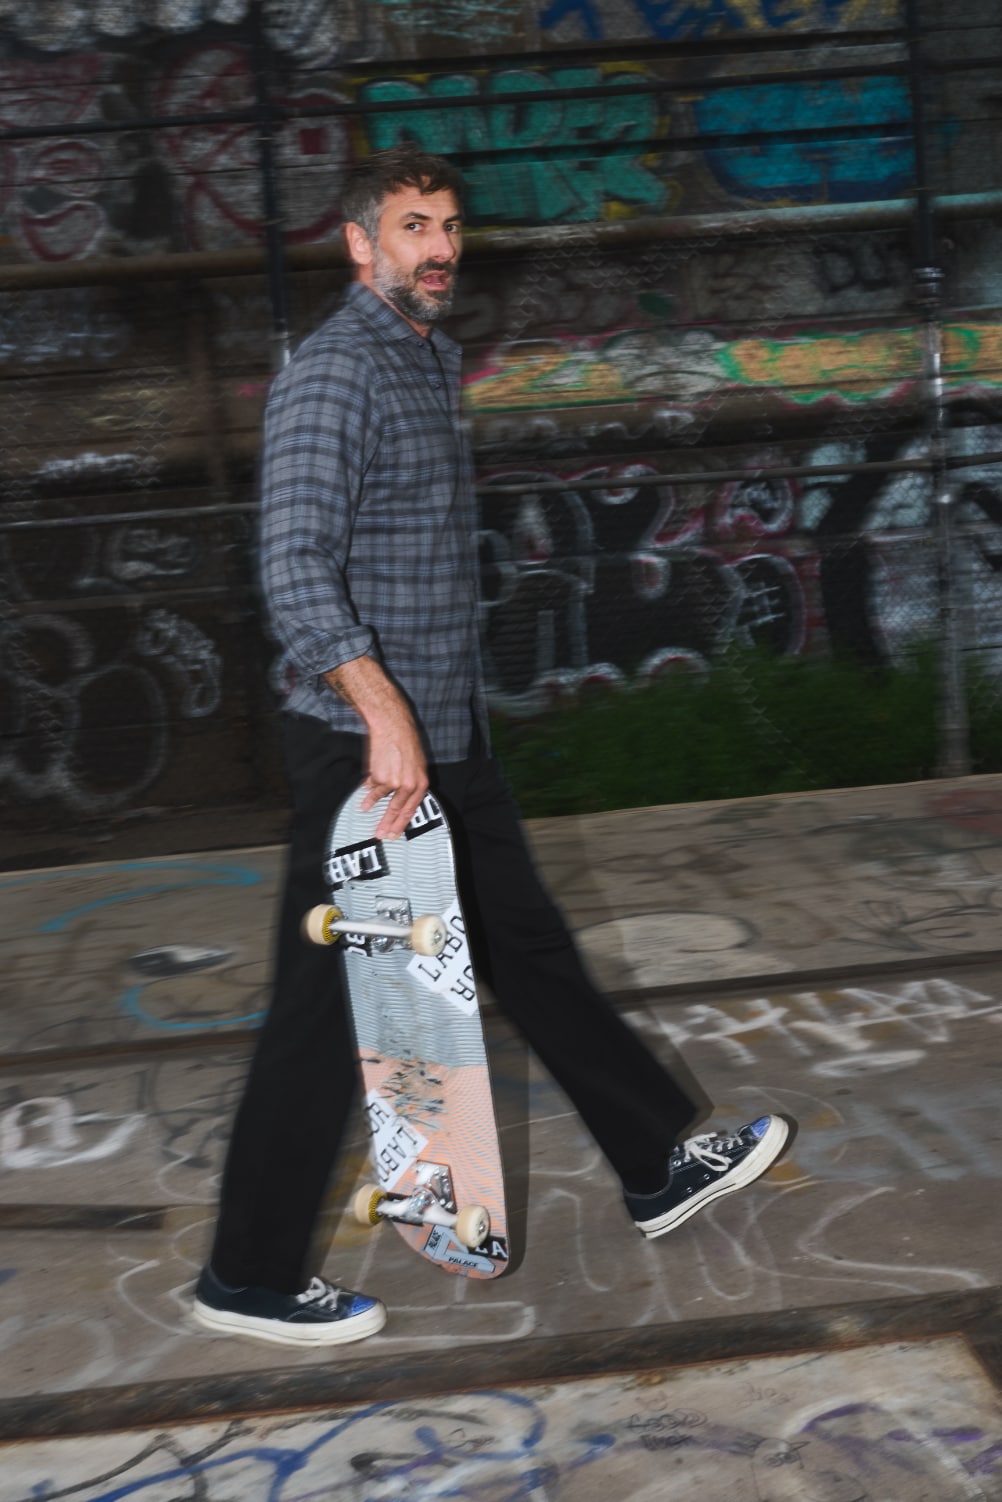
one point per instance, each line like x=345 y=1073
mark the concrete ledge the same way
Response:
x=976 y=1316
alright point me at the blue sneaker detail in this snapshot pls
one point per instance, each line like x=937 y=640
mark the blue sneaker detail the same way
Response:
x=321 y=1315
x=706 y=1167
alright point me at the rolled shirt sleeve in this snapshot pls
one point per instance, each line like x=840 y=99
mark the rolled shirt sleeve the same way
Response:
x=320 y=432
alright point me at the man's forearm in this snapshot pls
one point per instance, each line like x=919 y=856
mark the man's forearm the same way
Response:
x=364 y=686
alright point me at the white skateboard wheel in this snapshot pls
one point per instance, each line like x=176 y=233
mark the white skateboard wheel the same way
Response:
x=472 y=1225
x=365 y=1205
x=428 y=935
x=316 y=925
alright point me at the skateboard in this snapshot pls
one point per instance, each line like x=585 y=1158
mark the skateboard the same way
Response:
x=396 y=917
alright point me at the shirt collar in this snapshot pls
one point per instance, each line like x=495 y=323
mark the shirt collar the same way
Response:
x=378 y=313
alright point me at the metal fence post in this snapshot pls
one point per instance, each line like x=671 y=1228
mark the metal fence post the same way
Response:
x=274 y=240
x=954 y=758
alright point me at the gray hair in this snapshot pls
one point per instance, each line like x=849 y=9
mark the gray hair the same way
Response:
x=371 y=182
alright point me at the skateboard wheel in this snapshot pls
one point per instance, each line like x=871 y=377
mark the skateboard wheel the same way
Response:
x=316 y=925
x=472 y=1225
x=365 y=1205
x=428 y=935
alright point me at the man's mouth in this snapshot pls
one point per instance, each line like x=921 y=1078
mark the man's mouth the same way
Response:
x=436 y=281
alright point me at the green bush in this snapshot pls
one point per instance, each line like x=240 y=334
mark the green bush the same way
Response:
x=753 y=725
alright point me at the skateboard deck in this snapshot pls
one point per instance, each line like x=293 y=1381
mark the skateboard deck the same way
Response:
x=426 y=1080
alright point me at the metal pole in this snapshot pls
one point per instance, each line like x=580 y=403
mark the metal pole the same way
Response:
x=954 y=731
x=274 y=240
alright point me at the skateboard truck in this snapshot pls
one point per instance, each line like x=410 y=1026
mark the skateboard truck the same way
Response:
x=426 y=935
x=430 y=1203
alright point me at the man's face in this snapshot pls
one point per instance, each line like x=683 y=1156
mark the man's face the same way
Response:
x=413 y=262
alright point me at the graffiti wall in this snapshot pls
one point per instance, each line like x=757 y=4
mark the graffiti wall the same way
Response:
x=655 y=351
x=602 y=149
x=542 y=143
x=627 y=582
x=101 y=695
x=316 y=31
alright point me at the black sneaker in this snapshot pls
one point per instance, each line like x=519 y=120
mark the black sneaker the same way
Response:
x=320 y=1316
x=706 y=1167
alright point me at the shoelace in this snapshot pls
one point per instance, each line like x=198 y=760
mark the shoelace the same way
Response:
x=710 y=1149
x=324 y=1295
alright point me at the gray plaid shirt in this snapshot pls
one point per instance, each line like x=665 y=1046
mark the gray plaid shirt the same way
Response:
x=368 y=521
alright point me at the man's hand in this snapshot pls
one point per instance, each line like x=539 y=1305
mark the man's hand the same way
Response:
x=396 y=767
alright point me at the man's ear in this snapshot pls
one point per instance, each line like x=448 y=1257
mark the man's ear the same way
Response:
x=358 y=243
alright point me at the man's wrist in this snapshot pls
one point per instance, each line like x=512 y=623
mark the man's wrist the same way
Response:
x=365 y=688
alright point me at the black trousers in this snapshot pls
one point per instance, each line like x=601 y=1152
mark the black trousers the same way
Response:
x=290 y=1122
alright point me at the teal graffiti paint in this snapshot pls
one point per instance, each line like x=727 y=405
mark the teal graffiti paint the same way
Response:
x=821 y=171
x=555 y=186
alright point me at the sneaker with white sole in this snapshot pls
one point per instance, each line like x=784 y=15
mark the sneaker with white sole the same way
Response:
x=706 y=1167
x=321 y=1315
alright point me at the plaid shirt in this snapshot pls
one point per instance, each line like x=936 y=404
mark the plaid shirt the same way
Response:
x=368 y=521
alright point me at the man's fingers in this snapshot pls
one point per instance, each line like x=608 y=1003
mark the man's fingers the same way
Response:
x=372 y=796
x=401 y=808
x=399 y=812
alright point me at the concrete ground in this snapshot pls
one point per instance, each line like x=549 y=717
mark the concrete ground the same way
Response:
x=831 y=1334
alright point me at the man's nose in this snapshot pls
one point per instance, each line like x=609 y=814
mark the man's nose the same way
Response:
x=445 y=247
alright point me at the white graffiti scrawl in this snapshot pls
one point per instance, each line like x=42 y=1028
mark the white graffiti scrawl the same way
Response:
x=59 y=700
x=47 y=1132
x=189 y=655
x=865 y=1030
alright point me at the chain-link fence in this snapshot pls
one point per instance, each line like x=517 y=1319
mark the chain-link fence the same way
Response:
x=126 y=551
x=732 y=330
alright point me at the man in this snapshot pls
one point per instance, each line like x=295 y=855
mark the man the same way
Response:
x=370 y=574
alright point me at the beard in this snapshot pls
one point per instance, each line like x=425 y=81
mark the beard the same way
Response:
x=401 y=288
